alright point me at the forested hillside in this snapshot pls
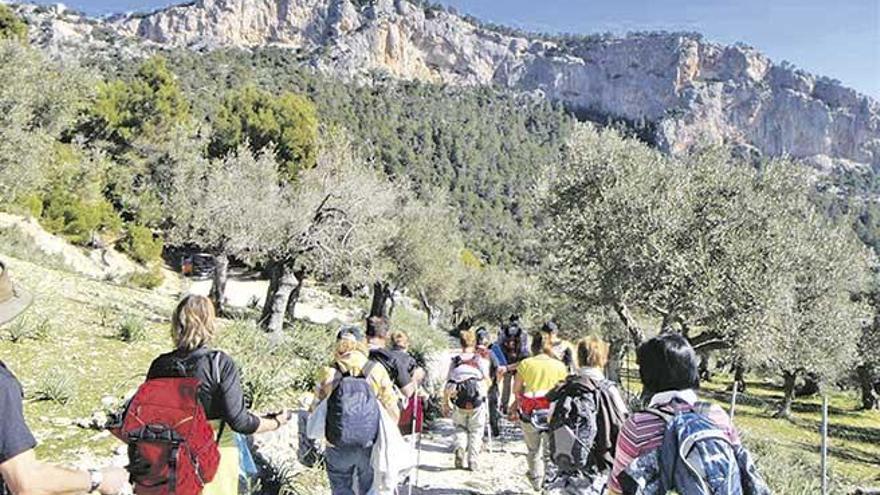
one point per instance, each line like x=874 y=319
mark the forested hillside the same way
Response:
x=488 y=148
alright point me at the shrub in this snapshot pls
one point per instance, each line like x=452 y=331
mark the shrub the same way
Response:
x=78 y=220
x=132 y=329
x=149 y=279
x=140 y=244
x=55 y=387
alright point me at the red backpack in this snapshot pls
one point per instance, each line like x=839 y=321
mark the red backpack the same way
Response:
x=171 y=445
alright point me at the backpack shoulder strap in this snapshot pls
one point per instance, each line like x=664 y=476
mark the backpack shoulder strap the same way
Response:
x=367 y=369
x=666 y=416
x=217 y=377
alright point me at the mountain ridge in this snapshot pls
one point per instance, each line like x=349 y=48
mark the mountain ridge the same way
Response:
x=689 y=91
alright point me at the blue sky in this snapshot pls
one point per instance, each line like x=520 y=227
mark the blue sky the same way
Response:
x=840 y=39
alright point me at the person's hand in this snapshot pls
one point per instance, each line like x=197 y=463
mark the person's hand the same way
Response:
x=513 y=414
x=114 y=480
x=282 y=417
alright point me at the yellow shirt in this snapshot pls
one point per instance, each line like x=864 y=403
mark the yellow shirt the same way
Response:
x=381 y=383
x=541 y=373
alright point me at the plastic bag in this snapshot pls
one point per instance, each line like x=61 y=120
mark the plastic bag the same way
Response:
x=317 y=422
x=392 y=457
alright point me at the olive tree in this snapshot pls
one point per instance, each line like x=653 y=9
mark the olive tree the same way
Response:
x=331 y=223
x=421 y=254
x=40 y=100
x=221 y=205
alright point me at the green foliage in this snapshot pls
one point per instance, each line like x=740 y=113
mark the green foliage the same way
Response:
x=288 y=123
x=39 y=103
x=132 y=329
x=141 y=244
x=11 y=26
x=151 y=104
x=149 y=279
x=705 y=242
x=79 y=219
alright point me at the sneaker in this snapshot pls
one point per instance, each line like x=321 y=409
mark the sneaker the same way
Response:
x=473 y=465
x=459 y=458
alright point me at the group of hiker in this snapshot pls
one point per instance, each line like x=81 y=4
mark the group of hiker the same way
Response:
x=581 y=438
x=185 y=425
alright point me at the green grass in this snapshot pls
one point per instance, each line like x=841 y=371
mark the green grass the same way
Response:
x=15 y=243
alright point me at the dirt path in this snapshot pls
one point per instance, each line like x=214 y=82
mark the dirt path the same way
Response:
x=502 y=469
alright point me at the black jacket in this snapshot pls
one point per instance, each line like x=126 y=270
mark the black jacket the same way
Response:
x=221 y=399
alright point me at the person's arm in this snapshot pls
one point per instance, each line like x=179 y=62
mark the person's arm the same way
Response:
x=24 y=475
x=518 y=386
x=235 y=412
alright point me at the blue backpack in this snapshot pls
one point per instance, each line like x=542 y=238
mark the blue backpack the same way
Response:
x=697 y=457
x=352 y=411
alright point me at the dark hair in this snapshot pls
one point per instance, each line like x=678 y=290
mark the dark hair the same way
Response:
x=542 y=343
x=668 y=362
x=377 y=327
x=550 y=327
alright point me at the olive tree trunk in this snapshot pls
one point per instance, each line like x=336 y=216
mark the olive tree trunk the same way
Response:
x=381 y=296
x=636 y=334
x=788 y=386
x=282 y=284
x=294 y=295
x=870 y=399
x=430 y=310
x=218 y=285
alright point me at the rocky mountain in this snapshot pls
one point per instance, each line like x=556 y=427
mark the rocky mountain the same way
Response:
x=687 y=91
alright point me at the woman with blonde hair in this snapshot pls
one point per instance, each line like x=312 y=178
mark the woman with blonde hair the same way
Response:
x=193 y=331
x=349 y=467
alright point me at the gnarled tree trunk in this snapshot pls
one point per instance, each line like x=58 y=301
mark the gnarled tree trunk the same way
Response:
x=218 y=285
x=636 y=334
x=788 y=386
x=433 y=315
x=294 y=295
x=281 y=286
x=739 y=378
x=868 y=385
x=381 y=296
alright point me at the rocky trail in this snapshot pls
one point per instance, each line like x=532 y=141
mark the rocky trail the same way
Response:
x=502 y=465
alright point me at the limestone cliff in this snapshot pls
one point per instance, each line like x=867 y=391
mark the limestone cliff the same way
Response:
x=691 y=91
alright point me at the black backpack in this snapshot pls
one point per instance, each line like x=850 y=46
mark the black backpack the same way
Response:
x=352 y=410
x=584 y=425
x=467 y=393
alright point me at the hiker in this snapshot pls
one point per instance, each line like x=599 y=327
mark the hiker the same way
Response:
x=562 y=349
x=588 y=413
x=514 y=344
x=494 y=354
x=401 y=367
x=412 y=416
x=219 y=394
x=354 y=388
x=464 y=398
x=20 y=471
x=648 y=444
x=535 y=377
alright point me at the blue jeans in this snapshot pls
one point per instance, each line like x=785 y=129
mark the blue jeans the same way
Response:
x=342 y=465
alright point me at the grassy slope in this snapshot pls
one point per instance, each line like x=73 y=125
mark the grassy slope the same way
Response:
x=83 y=315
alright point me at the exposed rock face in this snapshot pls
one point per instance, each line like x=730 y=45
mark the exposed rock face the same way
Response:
x=693 y=92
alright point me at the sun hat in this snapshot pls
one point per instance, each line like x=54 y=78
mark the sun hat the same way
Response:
x=13 y=300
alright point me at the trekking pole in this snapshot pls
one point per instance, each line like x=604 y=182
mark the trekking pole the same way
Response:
x=416 y=409
x=824 y=444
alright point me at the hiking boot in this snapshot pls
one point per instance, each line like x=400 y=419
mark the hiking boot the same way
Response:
x=459 y=458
